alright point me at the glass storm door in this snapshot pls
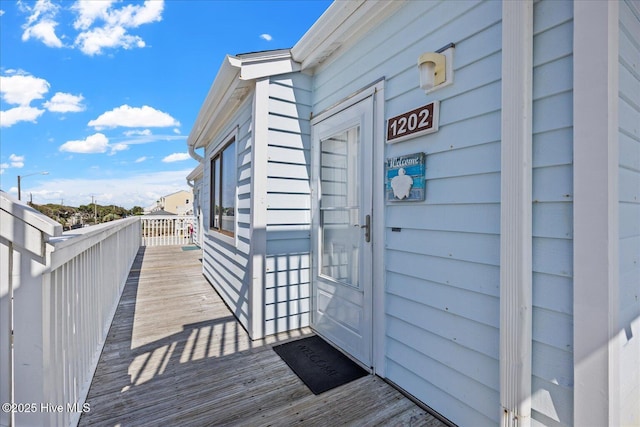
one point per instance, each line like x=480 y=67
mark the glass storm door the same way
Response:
x=341 y=234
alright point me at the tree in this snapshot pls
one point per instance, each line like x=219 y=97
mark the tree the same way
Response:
x=136 y=210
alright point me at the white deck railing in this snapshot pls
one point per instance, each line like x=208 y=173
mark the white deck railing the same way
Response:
x=88 y=271
x=58 y=295
x=165 y=230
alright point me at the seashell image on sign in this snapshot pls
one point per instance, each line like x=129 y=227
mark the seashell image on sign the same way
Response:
x=405 y=178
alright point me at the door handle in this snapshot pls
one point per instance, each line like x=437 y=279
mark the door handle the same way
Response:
x=367 y=228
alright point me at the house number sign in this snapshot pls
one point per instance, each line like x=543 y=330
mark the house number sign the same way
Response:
x=413 y=123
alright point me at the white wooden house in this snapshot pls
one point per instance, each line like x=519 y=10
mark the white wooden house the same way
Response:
x=502 y=284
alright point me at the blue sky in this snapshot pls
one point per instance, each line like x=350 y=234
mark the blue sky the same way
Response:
x=102 y=94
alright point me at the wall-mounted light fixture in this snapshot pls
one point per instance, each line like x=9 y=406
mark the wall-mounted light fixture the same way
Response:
x=436 y=68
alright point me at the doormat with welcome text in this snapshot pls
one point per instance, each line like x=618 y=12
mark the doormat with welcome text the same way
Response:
x=319 y=365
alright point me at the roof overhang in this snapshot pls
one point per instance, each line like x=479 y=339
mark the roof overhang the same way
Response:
x=340 y=26
x=234 y=81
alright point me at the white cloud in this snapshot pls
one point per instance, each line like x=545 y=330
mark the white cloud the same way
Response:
x=133 y=117
x=176 y=131
x=1 y=12
x=92 y=42
x=65 y=103
x=176 y=157
x=16 y=161
x=145 y=132
x=266 y=37
x=44 y=31
x=118 y=147
x=89 y=11
x=41 y=23
x=114 y=23
x=134 y=16
x=21 y=89
x=12 y=116
x=98 y=25
x=141 y=159
x=96 y=143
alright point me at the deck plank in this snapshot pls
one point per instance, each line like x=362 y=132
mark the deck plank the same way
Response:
x=175 y=355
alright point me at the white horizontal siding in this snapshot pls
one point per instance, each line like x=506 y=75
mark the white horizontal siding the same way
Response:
x=629 y=212
x=409 y=33
x=449 y=279
x=226 y=260
x=442 y=274
x=552 y=347
x=288 y=204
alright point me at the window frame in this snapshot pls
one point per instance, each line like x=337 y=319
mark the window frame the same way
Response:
x=216 y=183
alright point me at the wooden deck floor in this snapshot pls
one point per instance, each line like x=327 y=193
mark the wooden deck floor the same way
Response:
x=176 y=356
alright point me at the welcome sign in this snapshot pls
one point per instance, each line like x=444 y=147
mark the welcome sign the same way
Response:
x=405 y=178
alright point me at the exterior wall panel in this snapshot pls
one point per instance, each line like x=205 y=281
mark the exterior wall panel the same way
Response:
x=288 y=204
x=226 y=260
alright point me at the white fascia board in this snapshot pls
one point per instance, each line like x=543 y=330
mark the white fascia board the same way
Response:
x=258 y=65
x=342 y=23
x=227 y=76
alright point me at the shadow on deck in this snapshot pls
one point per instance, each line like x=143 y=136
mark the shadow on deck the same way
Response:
x=175 y=355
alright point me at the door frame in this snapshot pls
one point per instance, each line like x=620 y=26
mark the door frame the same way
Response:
x=375 y=91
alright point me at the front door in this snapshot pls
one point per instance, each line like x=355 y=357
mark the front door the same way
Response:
x=341 y=231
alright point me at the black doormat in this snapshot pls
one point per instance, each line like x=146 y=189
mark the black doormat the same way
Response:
x=320 y=366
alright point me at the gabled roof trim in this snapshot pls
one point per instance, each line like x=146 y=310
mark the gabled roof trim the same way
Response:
x=232 y=84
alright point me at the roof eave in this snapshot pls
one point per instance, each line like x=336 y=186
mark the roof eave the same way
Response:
x=198 y=172
x=342 y=23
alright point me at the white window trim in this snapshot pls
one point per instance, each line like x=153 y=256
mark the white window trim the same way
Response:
x=220 y=146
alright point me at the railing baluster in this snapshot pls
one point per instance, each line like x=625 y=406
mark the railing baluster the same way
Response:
x=165 y=231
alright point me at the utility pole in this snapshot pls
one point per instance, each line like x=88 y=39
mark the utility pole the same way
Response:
x=95 y=210
x=20 y=177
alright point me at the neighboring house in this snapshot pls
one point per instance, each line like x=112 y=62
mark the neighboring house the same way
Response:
x=179 y=203
x=149 y=209
x=503 y=286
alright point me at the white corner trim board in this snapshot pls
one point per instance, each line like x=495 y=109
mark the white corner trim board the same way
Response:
x=595 y=214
